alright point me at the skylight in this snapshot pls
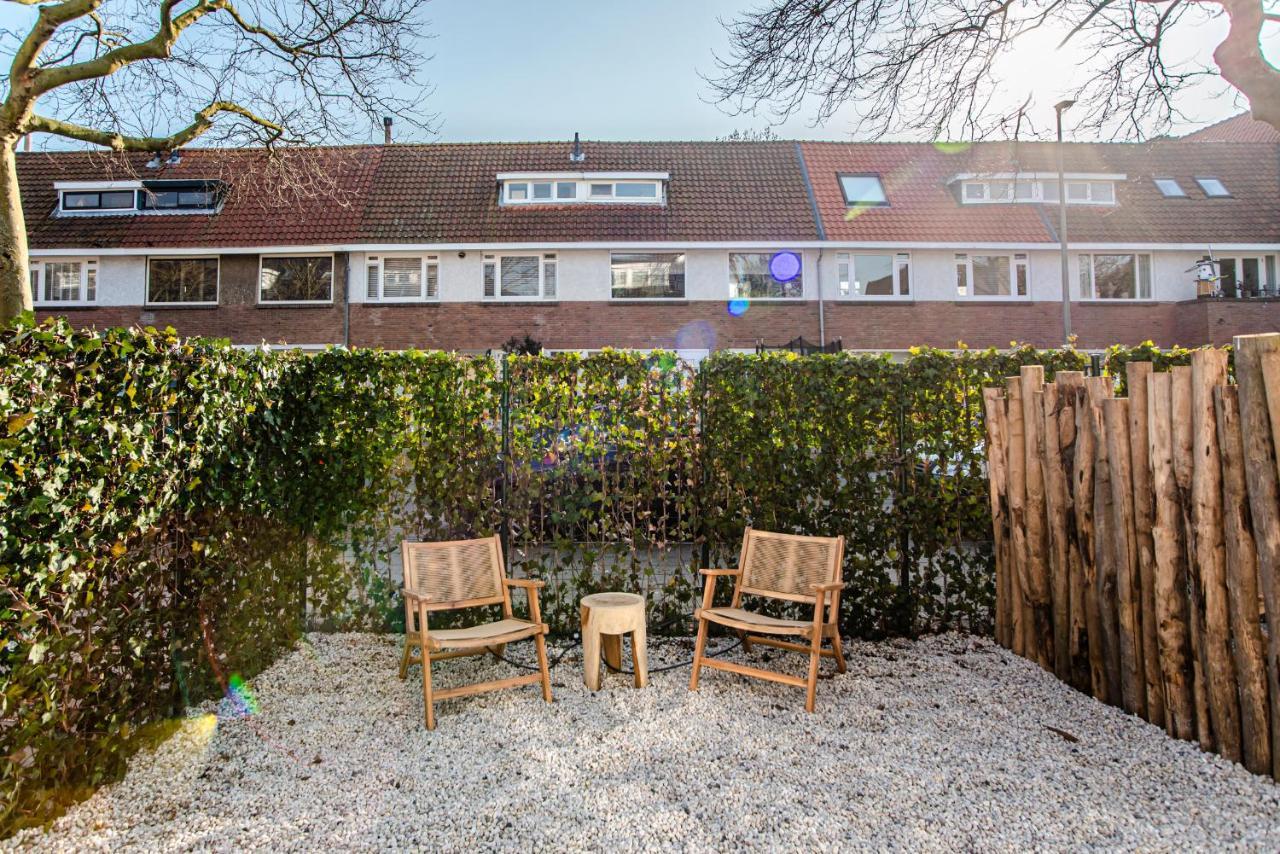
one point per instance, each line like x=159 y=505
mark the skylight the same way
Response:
x=1170 y=188
x=1213 y=188
x=862 y=190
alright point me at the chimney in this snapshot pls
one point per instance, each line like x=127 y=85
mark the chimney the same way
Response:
x=577 y=155
x=386 y=130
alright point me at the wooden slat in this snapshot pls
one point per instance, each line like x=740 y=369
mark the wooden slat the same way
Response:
x=1125 y=553
x=1104 y=588
x=1171 y=607
x=1256 y=373
x=1242 y=588
x=1057 y=498
x=1019 y=609
x=993 y=407
x=1208 y=372
x=756 y=672
x=1071 y=387
x=1086 y=468
x=1136 y=374
x=484 y=687
x=1038 y=587
x=1183 y=464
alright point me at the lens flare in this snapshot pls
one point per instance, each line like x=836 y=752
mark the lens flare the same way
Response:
x=240 y=701
x=951 y=147
x=784 y=266
x=696 y=335
x=738 y=307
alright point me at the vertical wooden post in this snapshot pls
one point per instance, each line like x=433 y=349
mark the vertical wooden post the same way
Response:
x=1242 y=588
x=1037 y=590
x=1016 y=439
x=1208 y=372
x=1133 y=683
x=993 y=406
x=1104 y=588
x=1260 y=428
x=1171 y=607
x=1136 y=374
x=1071 y=387
x=1057 y=499
x=1183 y=463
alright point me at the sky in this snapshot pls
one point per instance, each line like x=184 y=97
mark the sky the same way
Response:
x=630 y=69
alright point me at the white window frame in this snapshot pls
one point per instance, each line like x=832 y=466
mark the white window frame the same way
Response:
x=1181 y=194
x=333 y=278
x=985 y=196
x=86 y=263
x=425 y=262
x=582 y=182
x=495 y=259
x=1264 y=280
x=1226 y=191
x=1091 y=296
x=629 y=300
x=844 y=278
x=1016 y=260
x=731 y=284
x=217 y=290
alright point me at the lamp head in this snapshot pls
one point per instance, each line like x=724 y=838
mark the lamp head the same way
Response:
x=1062 y=106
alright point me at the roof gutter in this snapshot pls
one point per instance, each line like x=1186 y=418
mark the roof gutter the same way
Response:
x=822 y=236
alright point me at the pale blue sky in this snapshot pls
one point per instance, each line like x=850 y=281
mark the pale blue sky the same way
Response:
x=616 y=69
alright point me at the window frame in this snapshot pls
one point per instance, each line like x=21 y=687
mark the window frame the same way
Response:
x=426 y=260
x=495 y=258
x=82 y=300
x=1266 y=266
x=333 y=274
x=1137 y=272
x=897 y=261
x=851 y=203
x=613 y=297
x=1181 y=194
x=768 y=253
x=1200 y=179
x=1009 y=188
x=582 y=191
x=98 y=208
x=217 y=288
x=1017 y=260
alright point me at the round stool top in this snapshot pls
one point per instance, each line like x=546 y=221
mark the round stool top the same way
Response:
x=613 y=600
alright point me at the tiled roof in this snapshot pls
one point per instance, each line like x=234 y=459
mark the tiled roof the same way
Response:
x=718 y=191
x=311 y=196
x=923 y=207
x=1241 y=128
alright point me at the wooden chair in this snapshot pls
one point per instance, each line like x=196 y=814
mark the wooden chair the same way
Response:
x=778 y=566
x=465 y=574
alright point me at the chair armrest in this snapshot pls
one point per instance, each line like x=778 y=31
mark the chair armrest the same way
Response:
x=713 y=573
x=526 y=583
x=415 y=597
x=825 y=588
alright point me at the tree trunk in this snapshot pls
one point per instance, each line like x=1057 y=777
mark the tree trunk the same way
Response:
x=15 y=287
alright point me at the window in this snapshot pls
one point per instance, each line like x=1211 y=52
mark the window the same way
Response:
x=520 y=276
x=640 y=275
x=402 y=277
x=197 y=196
x=297 y=278
x=1115 y=276
x=105 y=200
x=517 y=192
x=1246 y=276
x=182 y=280
x=542 y=191
x=602 y=190
x=65 y=281
x=1035 y=188
x=874 y=275
x=975 y=192
x=991 y=276
x=582 y=188
x=1170 y=188
x=567 y=190
x=1214 y=188
x=863 y=190
x=635 y=191
x=765 y=275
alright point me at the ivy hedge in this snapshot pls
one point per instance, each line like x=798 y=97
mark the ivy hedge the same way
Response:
x=176 y=513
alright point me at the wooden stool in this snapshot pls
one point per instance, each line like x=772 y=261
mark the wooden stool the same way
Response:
x=606 y=617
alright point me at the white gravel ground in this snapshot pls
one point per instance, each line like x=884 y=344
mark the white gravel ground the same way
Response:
x=945 y=743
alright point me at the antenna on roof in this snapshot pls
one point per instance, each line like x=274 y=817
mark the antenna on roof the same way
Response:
x=577 y=155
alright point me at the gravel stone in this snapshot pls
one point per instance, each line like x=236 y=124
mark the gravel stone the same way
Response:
x=948 y=742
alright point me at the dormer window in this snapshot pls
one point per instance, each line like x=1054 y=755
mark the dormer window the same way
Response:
x=87 y=198
x=634 y=188
x=108 y=200
x=1036 y=187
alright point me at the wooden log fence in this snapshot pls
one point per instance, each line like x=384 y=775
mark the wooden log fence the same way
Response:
x=1137 y=540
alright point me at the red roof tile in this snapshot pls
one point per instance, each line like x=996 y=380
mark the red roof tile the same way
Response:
x=1241 y=128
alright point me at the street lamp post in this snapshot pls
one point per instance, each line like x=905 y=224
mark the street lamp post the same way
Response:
x=1060 y=108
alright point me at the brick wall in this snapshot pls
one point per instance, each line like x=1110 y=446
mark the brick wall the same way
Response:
x=691 y=325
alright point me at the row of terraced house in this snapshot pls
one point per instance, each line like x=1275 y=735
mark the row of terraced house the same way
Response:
x=688 y=245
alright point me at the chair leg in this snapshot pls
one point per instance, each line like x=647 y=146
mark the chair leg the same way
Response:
x=540 y=642
x=698 y=646
x=405 y=659
x=640 y=656
x=746 y=642
x=811 y=689
x=426 y=684
x=497 y=650
x=837 y=646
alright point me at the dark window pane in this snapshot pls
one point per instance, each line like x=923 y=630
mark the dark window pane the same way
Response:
x=303 y=279
x=183 y=280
